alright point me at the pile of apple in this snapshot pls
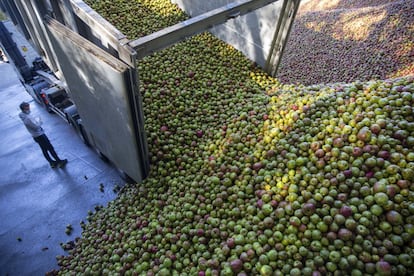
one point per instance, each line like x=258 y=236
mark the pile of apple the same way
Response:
x=252 y=177
x=344 y=41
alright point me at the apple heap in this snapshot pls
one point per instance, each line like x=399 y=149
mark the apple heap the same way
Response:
x=253 y=177
x=342 y=41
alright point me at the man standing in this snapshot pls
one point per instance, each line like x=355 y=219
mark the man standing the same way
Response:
x=35 y=129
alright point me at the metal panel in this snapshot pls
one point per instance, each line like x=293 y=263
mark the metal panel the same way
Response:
x=32 y=13
x=290 y=8
x=63 y=13
x=252 y=33
x=168 y=36
x=102 y=88
x=99 y=31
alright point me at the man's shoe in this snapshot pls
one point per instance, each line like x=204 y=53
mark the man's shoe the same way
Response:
x=62 y=163
x=53 y=164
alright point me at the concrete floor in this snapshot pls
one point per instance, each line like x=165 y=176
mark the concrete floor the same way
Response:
x=36 y=201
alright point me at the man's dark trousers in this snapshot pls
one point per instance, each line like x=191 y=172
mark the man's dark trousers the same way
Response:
x=46 y=147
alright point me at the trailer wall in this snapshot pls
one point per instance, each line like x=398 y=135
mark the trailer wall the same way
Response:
x=252 y=33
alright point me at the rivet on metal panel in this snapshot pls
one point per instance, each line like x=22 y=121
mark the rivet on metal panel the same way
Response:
x=234 y=14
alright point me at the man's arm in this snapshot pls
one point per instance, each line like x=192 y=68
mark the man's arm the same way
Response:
x=31 y=123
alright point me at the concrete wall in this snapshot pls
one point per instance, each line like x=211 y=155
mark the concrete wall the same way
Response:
x=252 y=33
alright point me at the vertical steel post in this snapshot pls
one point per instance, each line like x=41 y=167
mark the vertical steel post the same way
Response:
x=284 y=25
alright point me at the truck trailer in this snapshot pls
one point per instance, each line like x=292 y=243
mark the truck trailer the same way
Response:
x=85 y=70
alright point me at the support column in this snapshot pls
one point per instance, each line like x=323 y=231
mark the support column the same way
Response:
x=284 y=25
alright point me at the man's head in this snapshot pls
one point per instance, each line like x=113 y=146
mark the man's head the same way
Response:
x=25 y=107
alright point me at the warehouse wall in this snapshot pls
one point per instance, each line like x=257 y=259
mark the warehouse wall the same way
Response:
x=251 y=33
